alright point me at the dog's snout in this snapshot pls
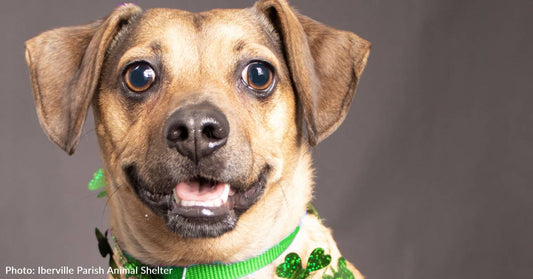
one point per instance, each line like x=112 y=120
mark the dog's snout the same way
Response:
x=196 y=131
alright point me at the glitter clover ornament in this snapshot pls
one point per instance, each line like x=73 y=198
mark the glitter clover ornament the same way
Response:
x=342 y=271
x=292 y=266
x=98 y=182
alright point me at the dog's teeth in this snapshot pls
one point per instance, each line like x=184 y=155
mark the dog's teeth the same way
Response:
x=223 y=198
x=212 y=203
x=176 y=197
x=226 y=193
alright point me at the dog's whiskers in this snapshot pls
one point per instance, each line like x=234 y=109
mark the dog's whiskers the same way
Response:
x=109 y=196
x=119 y=149
x=284 y=196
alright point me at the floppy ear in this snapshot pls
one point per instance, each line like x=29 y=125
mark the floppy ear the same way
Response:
x=325 y=66
x=65 y=66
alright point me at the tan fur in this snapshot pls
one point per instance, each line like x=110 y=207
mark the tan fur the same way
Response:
x=317 y=71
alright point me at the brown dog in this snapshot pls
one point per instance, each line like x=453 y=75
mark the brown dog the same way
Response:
x=205 y=123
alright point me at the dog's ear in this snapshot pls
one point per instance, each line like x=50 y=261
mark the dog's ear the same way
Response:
x=65 y=66
x=325 y=66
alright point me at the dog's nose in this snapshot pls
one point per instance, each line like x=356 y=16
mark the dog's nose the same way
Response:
x=196 y=131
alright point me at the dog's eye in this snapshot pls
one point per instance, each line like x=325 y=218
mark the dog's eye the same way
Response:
x=259 y=77
x=139 y=76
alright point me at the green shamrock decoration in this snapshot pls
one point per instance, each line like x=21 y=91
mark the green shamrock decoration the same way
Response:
x=135 y=265
x=292 y=266
x=342 y=271
x=98 y=182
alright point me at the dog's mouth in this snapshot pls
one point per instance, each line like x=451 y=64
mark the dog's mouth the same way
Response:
x=200 y=197
x=199 y=206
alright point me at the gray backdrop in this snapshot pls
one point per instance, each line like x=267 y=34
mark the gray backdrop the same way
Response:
x=429 y=177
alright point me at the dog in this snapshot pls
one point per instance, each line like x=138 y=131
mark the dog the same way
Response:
x=205 y=123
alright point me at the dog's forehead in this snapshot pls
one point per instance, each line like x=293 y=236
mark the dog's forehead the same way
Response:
x=179 y=29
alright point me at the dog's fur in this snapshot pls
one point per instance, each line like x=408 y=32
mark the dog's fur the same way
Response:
x=199 y=58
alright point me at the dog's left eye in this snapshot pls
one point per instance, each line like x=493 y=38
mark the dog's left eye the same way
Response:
x=139 y=76
x=259 y=77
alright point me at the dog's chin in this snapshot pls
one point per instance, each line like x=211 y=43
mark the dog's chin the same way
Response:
x=198 y=207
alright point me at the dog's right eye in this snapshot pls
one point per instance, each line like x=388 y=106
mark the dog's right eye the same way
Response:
x=139 y=76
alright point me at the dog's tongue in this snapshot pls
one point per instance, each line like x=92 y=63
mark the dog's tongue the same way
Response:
x=194 y=191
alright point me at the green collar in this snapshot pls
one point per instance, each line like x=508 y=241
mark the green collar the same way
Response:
x=133 y=267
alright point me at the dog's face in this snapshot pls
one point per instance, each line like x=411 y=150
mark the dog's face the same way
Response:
x=199 y=116
x=198 y=110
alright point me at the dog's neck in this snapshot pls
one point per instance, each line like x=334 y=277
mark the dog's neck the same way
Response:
x=144 y=235
x=211 y=270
